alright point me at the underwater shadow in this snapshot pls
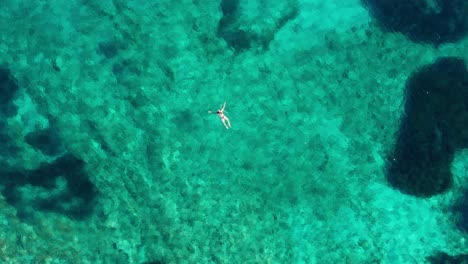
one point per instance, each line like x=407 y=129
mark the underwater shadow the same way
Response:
x=61 y=186
x=435 y=22
x=434 y=126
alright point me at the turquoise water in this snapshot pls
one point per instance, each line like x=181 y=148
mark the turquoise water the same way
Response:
x=109 y=152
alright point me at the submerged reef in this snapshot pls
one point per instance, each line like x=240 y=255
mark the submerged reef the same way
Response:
x=435 y=22
x=433 y=127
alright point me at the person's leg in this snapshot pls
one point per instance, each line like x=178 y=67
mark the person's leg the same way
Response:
x=227 y=122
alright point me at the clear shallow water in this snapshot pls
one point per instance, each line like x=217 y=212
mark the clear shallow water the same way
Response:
x=347 y=142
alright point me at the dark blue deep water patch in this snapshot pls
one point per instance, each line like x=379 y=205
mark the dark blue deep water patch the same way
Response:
x=435 y=22
x=8 y=89
x=62 y=187
x=461 y=212
x=46 y=140
x=434 y=126
x=228 y=29
x=444 y=258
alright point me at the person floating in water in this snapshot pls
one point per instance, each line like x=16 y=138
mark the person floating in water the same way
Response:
x=224 y=119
